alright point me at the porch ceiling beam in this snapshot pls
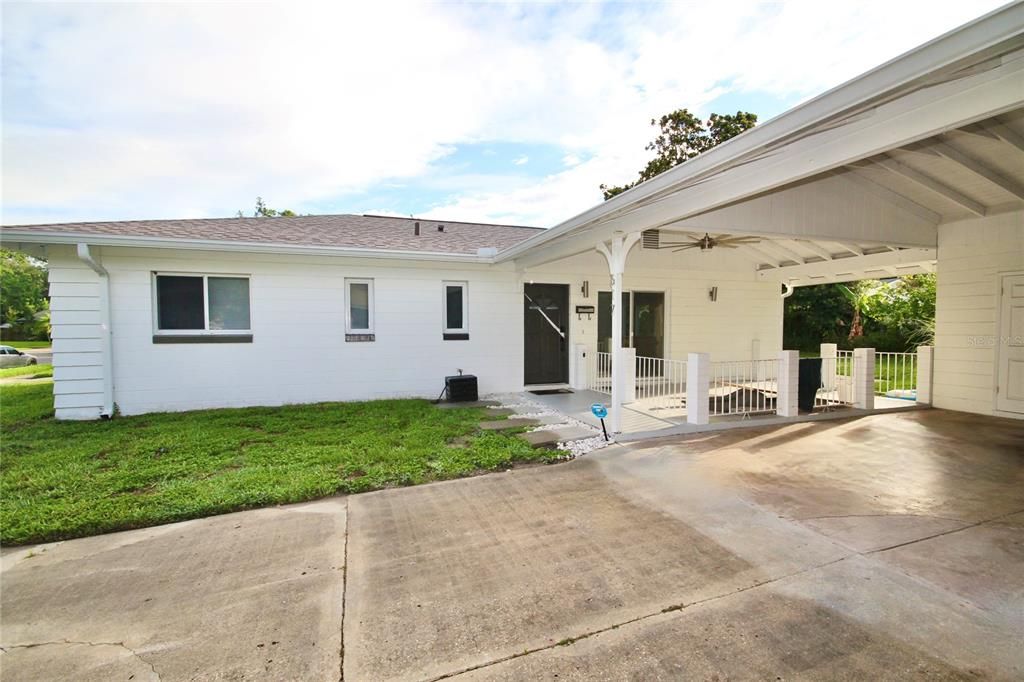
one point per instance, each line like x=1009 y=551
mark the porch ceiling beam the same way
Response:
x=979 y=168
x=852 y=248
x=816 y=248
x=790 y=255
x=847 y=269
x=886 y=194
x=893 y=166
x=1005 y=133
x=768 y=259
x=994 y=129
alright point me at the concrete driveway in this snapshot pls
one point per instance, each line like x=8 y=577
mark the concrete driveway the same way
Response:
x=887 y=547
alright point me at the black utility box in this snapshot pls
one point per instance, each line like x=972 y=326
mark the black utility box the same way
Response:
x=461 y=389
x=809 y=383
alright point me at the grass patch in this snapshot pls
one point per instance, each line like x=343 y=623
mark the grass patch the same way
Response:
x=31 y=371
x=62 y=480
x=27 y=345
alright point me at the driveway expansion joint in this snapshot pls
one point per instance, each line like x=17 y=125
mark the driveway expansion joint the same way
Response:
x=344 y=592
x=672 y=608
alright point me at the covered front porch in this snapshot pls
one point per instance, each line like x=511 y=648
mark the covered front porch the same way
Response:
x=744 y=393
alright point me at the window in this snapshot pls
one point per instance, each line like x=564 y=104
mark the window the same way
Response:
x=359 y=310
x=456 y=307
x=202 y=305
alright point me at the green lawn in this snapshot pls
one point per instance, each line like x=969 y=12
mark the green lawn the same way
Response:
x=27 y=345
x=34 y=371
x=68 y=479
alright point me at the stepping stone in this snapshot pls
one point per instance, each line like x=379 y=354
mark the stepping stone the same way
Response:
x=506 y=424
x=549 y=419
x=551 y=438
x=447 y=405
x=499 y=412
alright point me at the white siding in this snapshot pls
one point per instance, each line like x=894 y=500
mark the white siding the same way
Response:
x=971 y=255
x=75 y=317
x=299 y=353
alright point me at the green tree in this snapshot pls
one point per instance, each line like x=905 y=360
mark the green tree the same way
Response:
x=684 y=136
x=24 y=308
x=263 y=211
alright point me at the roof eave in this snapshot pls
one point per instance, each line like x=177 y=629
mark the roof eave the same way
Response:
x=47 y=238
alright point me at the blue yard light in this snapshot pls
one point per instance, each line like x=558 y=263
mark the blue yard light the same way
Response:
x=600 y=411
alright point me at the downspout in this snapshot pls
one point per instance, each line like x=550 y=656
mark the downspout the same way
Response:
x=789 y=290
x=106 y=340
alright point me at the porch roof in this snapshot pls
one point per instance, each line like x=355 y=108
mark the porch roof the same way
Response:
x=858 y=178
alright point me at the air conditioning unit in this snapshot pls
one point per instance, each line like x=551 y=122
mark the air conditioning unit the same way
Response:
x=461 y=388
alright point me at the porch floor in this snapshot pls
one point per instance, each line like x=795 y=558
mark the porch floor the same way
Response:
x=640 y=420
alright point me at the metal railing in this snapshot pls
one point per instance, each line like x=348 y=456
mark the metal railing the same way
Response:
x=743 y=387
x=836 y=381
x=660 y=383
x=599 y=372
x=896 y=375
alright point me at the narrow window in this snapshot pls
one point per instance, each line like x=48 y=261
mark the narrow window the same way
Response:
x=456 y=307
x=201 y=304
x=359 y=309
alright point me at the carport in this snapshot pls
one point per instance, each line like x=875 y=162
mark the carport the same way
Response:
x=916 y=165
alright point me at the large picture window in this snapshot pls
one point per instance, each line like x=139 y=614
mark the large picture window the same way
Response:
x=201 y=304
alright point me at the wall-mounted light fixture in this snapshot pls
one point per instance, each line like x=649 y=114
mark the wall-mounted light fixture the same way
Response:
x=585 y=289
x=713 y=294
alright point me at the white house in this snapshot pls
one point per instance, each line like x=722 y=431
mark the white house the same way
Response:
x=914 y=166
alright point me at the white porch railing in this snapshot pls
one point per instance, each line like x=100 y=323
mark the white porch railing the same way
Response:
x=599 y=374
x=743 y=387
x=660 y=383
x=836 y=381
x=896 y=375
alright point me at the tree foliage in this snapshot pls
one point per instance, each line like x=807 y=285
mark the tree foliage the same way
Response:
x=24 y=308
x=264 y=211
x=892 y=315
x=684 y=136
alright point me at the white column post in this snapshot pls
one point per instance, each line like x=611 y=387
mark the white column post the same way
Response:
x=580 y=378
x=828 y=353
x=864 y=378
x=628 y=375
x=615 y=253
x=924 y=374
x=787 y=403
x=698 y=382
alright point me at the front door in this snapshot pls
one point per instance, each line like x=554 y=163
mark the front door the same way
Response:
x=1010 y=396
x=546 y=326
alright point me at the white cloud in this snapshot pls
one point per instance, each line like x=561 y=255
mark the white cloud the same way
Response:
x=521 y=161
x=128 y=111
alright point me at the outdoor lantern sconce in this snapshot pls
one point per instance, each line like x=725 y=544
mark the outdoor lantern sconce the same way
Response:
x=713 y=294
x=585 y=289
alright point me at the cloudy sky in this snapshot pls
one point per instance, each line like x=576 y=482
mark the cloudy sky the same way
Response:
x=505 y=113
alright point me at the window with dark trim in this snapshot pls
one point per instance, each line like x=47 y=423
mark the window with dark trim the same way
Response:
x=197 y=305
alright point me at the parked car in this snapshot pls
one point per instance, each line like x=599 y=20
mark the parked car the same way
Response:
x=12 y=357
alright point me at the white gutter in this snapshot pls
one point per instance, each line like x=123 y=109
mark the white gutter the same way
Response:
x=106 y=340
x=901 y=74
x=485 y=255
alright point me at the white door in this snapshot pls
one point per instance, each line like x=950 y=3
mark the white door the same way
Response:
x=1010 y=390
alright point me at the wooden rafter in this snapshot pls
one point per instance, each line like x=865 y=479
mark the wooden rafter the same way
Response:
x=979 y=168
x=893 y=166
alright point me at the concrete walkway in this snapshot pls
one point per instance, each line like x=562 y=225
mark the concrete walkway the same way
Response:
x=888 y=547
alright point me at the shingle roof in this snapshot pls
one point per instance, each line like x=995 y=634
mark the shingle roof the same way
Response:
x=352 y=231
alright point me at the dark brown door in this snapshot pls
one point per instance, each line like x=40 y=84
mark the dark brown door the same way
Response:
x=546 y=327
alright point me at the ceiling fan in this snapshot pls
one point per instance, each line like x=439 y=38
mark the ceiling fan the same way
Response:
x=707 y=242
